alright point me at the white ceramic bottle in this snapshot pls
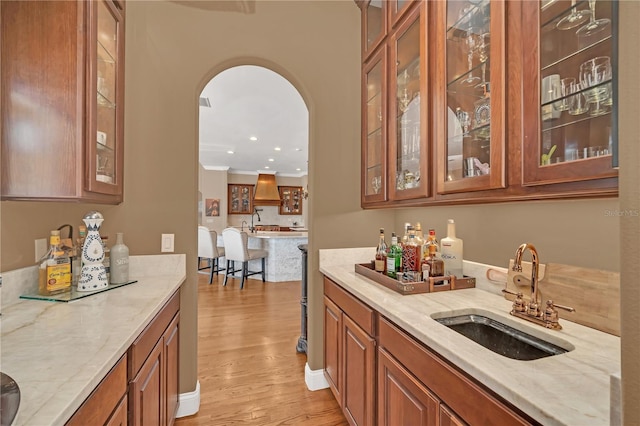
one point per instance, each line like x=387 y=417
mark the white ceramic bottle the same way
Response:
x=119 y=261
x=451 y=251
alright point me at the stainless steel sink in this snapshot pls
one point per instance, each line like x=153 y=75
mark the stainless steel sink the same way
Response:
x=9 y=399
x=501 y=338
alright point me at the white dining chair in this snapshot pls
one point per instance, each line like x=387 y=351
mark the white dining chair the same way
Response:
x=236 y=248
x=208 y=250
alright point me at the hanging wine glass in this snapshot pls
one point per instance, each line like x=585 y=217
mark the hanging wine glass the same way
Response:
x=594 y=25
x=484 y=84
x=471 y=80
x=575 y=18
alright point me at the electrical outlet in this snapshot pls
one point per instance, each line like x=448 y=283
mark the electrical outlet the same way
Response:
x=41 y=248
x=167 y=243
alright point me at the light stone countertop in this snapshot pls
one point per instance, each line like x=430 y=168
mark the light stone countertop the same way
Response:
x=59 y=352
x=568 y=389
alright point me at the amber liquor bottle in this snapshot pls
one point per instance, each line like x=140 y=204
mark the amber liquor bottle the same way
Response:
x=381 y=254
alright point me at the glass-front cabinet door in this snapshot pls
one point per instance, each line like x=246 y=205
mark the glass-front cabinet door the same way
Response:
x=469 y=95
x=570 y=110
x=105 y=83
x=374 y=128
x=374 y=24
x=408 y=154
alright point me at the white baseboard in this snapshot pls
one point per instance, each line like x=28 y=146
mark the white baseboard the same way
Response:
x=314 y=379
x=189 y=402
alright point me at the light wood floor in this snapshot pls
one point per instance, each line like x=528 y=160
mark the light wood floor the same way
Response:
x=248 y=367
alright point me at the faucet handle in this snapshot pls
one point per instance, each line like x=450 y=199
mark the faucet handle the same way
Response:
x=518 y=302
x=566 y=308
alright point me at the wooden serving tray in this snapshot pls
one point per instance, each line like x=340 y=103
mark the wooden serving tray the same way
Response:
x=431 y=285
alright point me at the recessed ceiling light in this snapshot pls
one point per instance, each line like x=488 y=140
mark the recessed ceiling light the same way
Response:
x=230 y=152
x=277 y=148
x=271 y=160
x=298 y=169
x=298 y=149
x=266 y=167
x=253 y=138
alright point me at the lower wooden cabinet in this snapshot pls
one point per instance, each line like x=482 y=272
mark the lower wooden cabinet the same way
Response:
x=350 y=356
x=153 y=369
x=150 y=369
x=402 y=399
x=104 y=405
x=380 y=375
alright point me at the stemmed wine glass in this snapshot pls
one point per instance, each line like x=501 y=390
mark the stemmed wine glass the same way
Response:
x=471 y=41
x=574 y=19
x=594 y=25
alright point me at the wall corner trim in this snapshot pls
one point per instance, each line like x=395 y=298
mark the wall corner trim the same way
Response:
x=314 y=379
x=189 y=402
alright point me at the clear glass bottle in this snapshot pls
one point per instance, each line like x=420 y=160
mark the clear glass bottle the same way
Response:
x=76 y=263
x=451 y=251
x=432 y=265
x=54 y=273
x=411 y=253
x=381 y=254
x=119 y=261
x=394 y=257
x=107 y=256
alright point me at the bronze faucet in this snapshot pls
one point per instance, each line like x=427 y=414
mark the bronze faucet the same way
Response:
x=534 y=307
x=532 y=311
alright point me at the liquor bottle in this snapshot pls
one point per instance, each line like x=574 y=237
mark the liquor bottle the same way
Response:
x=451 y=251
x=394 y=257
x=107 y=257
x=119 y=261
x=54 y=273
x=429 y=241
x=411 y=253
x=405 y=237
x=381 y=254
x=432 y=265
x=76 y=263
x=420 y=240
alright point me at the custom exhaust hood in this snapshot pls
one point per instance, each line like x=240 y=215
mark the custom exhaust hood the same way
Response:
x=266 y=193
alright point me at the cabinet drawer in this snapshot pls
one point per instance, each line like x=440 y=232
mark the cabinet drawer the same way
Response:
x=143 y=345
x=360 y=313
x=98 y=407
x=474 y=404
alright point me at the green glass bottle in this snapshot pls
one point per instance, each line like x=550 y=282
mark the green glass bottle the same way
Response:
x=394 y=257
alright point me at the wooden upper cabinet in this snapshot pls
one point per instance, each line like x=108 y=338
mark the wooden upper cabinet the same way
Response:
x=374 y=128
x=374 y=24
x=469 y=99
x=240 y=199
x=408 y=149
x=290 y=200
x=62 y=100
x=105 y=156
x=570 y=107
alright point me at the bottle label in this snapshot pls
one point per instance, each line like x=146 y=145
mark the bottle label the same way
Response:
x=379 y=265
x=391 y=264
x=59 y=275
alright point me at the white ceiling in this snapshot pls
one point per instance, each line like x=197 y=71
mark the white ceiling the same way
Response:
x=251 y=101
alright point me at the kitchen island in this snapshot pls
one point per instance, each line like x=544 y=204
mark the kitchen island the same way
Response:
x=284 y=262
x=574 y=388
x=59 y=352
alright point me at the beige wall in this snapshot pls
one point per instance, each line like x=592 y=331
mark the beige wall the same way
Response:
x=213 y=184
x=173 y=51
x=630 y=202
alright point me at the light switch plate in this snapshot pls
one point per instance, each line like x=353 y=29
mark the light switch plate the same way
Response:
x=167 y=243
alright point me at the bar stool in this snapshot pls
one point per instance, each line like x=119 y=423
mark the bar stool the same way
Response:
x=236 y=248
x=208 y=249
